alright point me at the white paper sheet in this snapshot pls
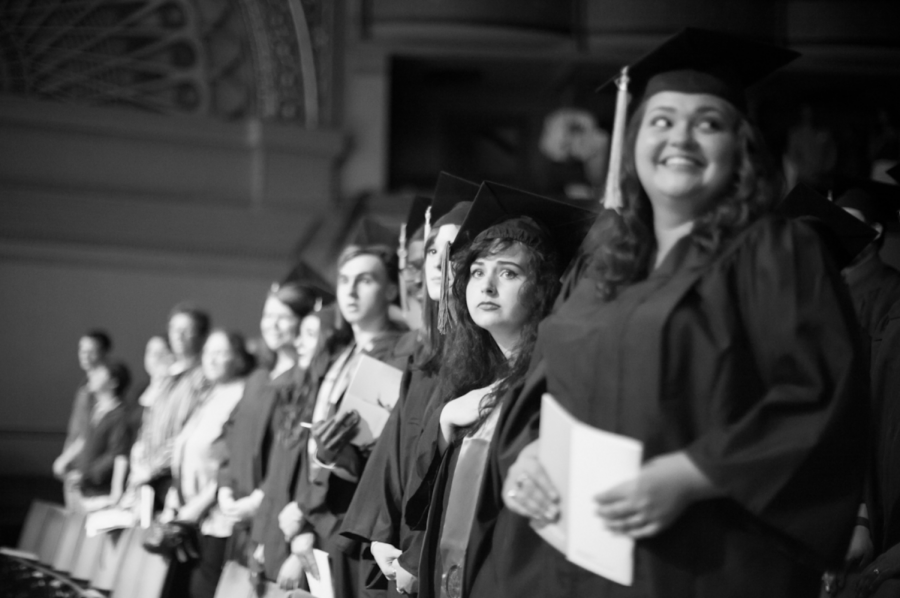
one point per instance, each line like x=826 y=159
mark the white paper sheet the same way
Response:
x=583 y=461
x=106 y=520
x=145 y=505
x=373 y=392
x=322 y=587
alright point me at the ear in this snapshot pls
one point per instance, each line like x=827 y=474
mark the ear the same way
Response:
x=879 y=228
x=391 y=292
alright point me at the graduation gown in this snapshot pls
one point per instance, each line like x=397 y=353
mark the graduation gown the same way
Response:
x=324 y=497
x=375 y=514
x=247 y=444
x=884 y=503
x=750 y=362
x=874 y=288
x=286 y=444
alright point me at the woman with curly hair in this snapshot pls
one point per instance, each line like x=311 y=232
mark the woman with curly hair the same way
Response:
x=718 y=336
x=506 y=261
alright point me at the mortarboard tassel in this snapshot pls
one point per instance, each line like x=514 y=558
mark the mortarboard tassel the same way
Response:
x=318 y=306
x=444 y=314
x=612 y=197
x=401 y=266
x=427 y=225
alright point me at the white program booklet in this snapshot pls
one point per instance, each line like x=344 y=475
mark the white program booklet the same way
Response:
x=583 y=461
x=373 y=392
x=322 y=587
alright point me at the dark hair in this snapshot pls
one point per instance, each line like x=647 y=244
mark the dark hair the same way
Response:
x=471 y=359
x=384 y=253
x=101 y=337
x=247 y=361
x=299 y=298
x=625 y=242
x=120 y=375
x=199 y=316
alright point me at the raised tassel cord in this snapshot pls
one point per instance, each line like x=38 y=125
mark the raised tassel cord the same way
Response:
x=427 y=225
x=612 y=197
x=401 y=266
x=444 y=313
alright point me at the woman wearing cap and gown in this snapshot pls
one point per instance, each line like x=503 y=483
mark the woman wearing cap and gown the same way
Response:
x=507 y=262
x=374 y=515
x=719 y=337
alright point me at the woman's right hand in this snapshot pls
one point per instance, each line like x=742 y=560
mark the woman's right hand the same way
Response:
x=333 y=434
x=385 y=556
x=290 y=520
x=528 y=490
x=302 y=548
x=290 y=573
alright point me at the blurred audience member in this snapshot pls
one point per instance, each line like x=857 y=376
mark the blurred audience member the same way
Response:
x=811 y=153
x=197 y=457
x=107 y=435
x=175 y=400
x=93 y=350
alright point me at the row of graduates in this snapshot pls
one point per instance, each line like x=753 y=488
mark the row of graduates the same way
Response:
x=688 y=316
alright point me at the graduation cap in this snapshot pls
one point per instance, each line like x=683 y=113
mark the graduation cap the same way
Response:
x=449 y=192
x=894 y=172
x=501 y=212
x=305 y=275
x=843 y=235
x=415 y=219
x=878 y=202
x=692 y=61
x=566 y=222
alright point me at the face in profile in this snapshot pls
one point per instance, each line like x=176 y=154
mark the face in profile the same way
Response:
x=90 y=355
x=412 y=274
x=279 y=325
x=308 y=340
x=363 y=289
x=686 y=149
x=157 y=357
x=434 y=256
x=183 y=335
x=219 y=360
x=493 y=291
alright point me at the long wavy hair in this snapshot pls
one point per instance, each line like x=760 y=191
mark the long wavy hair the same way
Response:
x=624 y=243
x=471 y=358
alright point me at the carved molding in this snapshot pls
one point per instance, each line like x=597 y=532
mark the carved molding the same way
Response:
x=229 y=59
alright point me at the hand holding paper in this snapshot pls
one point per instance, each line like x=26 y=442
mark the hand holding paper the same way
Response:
x=334 y=433
x=528 y=489
x=372 y=393
x=583 y=462
x=649 y=503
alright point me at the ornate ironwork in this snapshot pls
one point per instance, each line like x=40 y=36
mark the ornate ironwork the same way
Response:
x=225 y=58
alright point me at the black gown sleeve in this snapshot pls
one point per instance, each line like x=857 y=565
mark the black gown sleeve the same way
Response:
x=806 y=431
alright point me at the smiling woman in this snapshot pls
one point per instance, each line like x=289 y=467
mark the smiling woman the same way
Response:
x=685 y=151
x=719 y=337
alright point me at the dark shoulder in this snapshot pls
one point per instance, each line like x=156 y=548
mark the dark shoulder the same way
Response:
x=407 y=345
x=774 y=237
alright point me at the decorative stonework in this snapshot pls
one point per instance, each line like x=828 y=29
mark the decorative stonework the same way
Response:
x=229 y=59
